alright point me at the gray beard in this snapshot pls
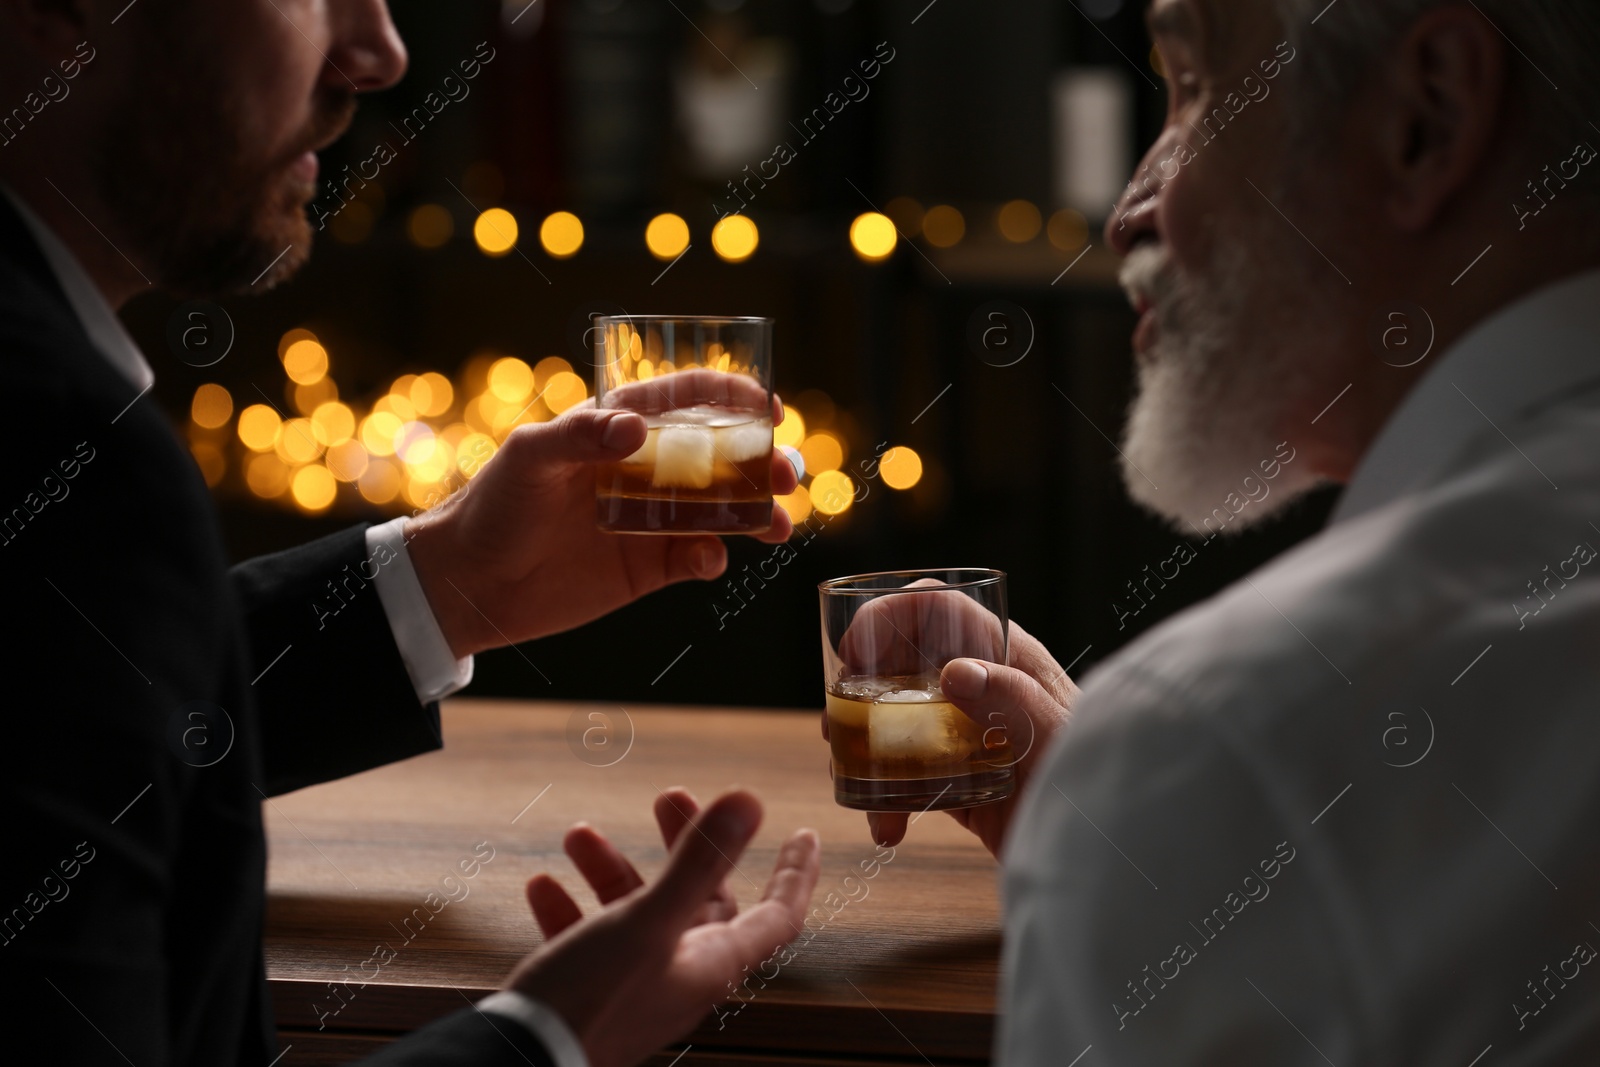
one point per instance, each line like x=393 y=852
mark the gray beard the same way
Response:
x=1207 y=422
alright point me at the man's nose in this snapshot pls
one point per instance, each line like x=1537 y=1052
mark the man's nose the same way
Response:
x=365 y=47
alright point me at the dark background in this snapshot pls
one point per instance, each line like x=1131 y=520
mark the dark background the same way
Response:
x=577 y=112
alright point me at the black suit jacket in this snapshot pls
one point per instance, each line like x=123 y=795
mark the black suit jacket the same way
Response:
x=132 y=890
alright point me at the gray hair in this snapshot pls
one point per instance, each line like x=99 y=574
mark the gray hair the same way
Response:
x=1551 y=79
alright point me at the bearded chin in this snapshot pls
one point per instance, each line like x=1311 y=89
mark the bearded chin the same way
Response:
x=262 y=244
x=1205 y=427
x=179 y=175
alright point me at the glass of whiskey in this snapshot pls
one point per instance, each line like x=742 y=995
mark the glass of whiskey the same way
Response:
x=898 y=744
x=704 y=387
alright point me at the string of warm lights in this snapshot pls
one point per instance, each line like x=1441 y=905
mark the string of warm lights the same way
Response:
x=427 y=434
x=873 y=235
x=408 y=446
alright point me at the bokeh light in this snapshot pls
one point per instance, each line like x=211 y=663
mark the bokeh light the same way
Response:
x=378 y=430
x=832 y=492
x=397 y=404
x=735 y=238
x=944 y=226
x=1068 y=230
x=313 y=488
x=563 y=391
x=1019 y=221
x=495 y=231
x=298 y=442
x=548 y=368
x=561 y=234
x=307 y=398
x=666 y=236
x=267 y=476
x=822 y=452
x=348 y=460
x=212 y=406
x=503 y=416
x=418 y=493
x=873 y=236
x=333 y=423
x=473 y=377
x=414 y=442
x=258 y=428
x=906 y=214
x=299 y=333
x=430 y=226
x=305 y=361
x=511 y=380
x=426 y=455
x=900 y=467
x=797 y=504
x=380 y=482
x=792 y=430
x=432 y=394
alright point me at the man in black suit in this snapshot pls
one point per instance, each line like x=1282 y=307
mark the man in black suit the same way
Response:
x=169 y=143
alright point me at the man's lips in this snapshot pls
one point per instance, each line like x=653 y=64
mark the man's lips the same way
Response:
x=304 y=168
x=1144 y=335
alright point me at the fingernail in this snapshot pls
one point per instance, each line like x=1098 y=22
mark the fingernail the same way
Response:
x=965 y=679
x=616 y=432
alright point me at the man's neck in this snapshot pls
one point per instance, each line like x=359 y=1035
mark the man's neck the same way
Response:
x=66 y=203
x=1449 y=313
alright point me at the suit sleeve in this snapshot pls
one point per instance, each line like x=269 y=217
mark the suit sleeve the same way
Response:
x=332 y=689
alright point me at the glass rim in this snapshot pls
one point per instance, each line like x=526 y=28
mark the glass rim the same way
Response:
x=739 y=320
x=984 y=576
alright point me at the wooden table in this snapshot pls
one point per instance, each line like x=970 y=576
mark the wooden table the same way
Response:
x=903 y=973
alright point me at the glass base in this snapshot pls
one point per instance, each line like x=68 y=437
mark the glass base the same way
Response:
x=923 y=794
x=641 y=515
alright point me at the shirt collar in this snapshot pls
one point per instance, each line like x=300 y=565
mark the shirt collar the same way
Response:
x=1536 y=349
x=105 y=330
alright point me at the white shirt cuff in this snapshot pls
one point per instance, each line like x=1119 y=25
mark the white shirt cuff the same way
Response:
x=435 y=672
x=545 y=1024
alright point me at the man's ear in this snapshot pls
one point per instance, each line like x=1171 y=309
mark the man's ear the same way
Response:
x=1447 y=85
x=51 y=28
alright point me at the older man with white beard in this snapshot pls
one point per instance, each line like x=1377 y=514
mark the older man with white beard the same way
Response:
x=1346 y=811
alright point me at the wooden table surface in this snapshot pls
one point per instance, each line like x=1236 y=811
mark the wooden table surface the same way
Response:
x=902 y=970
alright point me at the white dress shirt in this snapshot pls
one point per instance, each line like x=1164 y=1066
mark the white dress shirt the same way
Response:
x=434 y=670
x=1347 y=811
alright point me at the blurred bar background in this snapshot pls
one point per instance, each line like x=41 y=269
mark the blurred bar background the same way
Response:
x=966 y=368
